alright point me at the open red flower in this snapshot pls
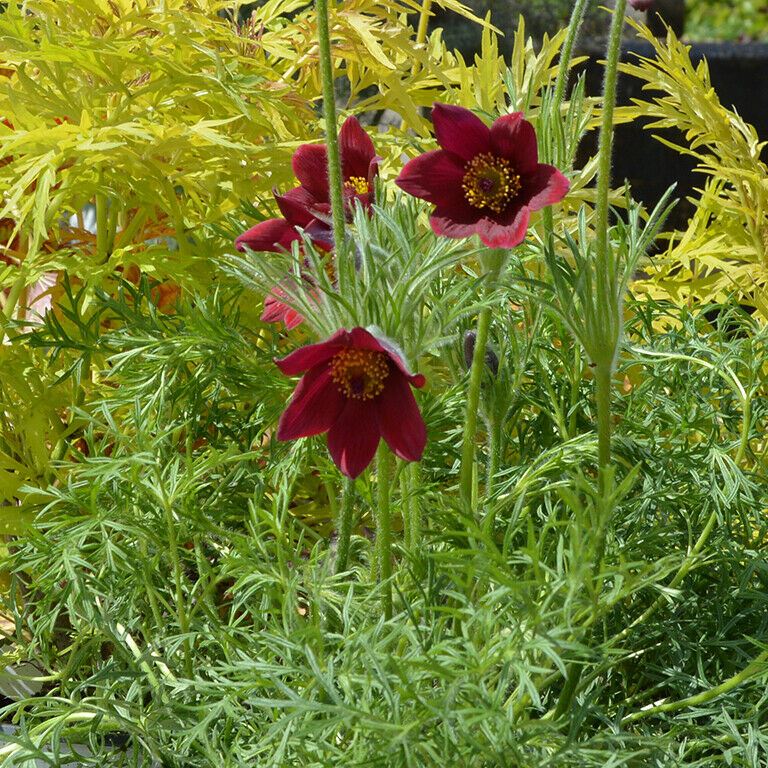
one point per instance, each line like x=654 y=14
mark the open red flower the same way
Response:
x=356 y=388
x=483 y=180
x=308 y=205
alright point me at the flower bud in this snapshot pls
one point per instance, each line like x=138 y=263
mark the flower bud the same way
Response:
x=491 y=360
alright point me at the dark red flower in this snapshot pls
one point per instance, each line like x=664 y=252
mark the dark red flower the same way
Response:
x=641 y=5
x=356 y=388
x=308 y=205
x=483 y=180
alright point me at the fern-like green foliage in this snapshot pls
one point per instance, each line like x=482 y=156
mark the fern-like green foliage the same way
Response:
x=724 y=249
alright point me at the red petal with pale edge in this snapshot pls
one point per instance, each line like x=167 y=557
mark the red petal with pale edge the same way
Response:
x=269 y=235
x=494 y=233
x=314 y=407
x=400 y=421
x=356 y=149
x=310 y=164
x=354 y=437
x=435 y=177
x=308 y=357
x=459 y=131
x=514 y=139
x=544 y=187
x=444 y=224
x=504 y=233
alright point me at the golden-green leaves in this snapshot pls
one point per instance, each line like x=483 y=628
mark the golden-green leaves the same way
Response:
x=725 y=247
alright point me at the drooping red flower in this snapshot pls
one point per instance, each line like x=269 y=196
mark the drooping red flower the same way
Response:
x=483 y=180
x=276 y=310
x=357 y=388
x=308 y=205
x=641 y=5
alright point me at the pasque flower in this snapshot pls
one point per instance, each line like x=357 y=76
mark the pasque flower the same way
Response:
x=357 y=388
x=641 y=5
x=483 y=180
x=308 y=207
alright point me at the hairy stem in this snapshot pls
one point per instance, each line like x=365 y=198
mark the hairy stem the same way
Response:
x=384 y=526
x=344 y=525
x=495 y=259
x=605 y=147
x=756 y=667
x=574 y=25
x=332 y=140
x=603 y=403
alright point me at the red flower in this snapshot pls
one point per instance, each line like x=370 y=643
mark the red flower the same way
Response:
x=308 y=205
x=641 y=5
x=357 y=389
x=483 y=180
x=277 y=311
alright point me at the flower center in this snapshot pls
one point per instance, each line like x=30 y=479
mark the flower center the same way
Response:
x=359 y=373
x=490 y=182
x=357 y=184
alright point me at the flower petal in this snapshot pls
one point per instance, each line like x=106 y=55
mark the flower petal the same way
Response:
x=354 y=437
x=314 y=407
x=460 y=131
x=277 y=311
x=514 y=139
x=310 y=164
x=356 y=149
x=400 y=420
x=312 y=355
x=545 y=186
x=295 y=205
x=506 y=231
x=446 y=223
x=362 y=338
x=321 y=235
x=436 y=177
x=269 y=235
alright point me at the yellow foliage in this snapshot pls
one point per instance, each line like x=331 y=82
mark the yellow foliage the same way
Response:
x=724 y=249
x=166 y=111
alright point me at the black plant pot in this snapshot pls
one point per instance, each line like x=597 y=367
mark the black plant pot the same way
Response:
x=736 y=71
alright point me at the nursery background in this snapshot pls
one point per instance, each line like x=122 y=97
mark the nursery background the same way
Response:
x=383 y=383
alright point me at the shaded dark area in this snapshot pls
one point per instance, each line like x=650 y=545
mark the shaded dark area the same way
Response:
x=737 y=71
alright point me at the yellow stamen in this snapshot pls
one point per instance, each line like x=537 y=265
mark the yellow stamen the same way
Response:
x=357 y=184
x=359 y=373
x=490 y=182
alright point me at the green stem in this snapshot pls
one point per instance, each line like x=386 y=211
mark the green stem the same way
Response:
x=603 y=401
x=754 y=668
x=496 y=258
x=344 y=525
x=421 y=31
x=384 y=526
x=574 y=25
x=331 y=138
x=605 y=147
